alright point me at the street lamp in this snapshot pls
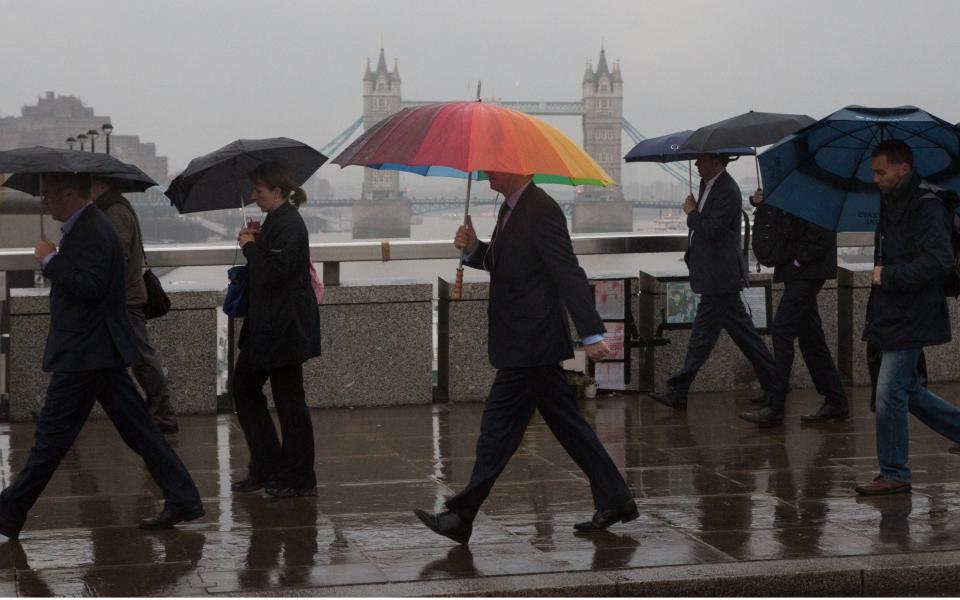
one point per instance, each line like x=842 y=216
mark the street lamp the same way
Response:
x=71 y=141
x=82 y=138
x=92 y=134
x=107 y=130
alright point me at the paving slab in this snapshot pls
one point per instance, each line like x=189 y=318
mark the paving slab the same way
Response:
x=725 y=509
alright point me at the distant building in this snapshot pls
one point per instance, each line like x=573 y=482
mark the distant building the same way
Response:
x=381 y=98
x=54 y=118
x=603 y=122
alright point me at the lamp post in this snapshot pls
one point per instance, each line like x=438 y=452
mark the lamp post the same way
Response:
x=82 y=138
x=71 y=141
x=107 y=130
x=92 y=134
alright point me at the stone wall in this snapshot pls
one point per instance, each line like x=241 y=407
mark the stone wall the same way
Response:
x=377 y=347
x=186 y=339
x=854 y=292
x=464 y=369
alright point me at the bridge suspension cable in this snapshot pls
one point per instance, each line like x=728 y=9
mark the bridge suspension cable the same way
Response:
x=336 y=143
x=638 y=137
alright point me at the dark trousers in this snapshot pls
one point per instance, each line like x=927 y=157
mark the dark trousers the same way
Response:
x=149 y=372
x=286 y=464
x=715 y=313
x=798 y=319
x=70 y=398
x=515 y=394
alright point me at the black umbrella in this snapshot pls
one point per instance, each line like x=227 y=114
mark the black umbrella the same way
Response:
x=218 y=180
x=749 y=129
x=28 y=164
x=131 y=182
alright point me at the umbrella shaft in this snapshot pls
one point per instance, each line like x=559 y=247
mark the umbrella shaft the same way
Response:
x=466 y=213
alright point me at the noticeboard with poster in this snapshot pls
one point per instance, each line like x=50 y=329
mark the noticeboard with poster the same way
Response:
x=612 y=299
x=679 y=304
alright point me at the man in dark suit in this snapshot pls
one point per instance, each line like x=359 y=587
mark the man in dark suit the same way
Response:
x=717 y=273
x=89 y=346
x=535 y=280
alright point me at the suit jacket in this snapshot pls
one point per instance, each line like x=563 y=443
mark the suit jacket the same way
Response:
x=89 y=327
x=713 y=254
x=534 y=280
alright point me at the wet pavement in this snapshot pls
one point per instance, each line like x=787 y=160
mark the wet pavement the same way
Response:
x=713 y=491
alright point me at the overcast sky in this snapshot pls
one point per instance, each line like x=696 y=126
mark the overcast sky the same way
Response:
x=193 y=75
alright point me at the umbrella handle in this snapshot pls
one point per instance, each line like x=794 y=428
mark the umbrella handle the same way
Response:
x=756 y=161
x=40 y=186
x=457 y=293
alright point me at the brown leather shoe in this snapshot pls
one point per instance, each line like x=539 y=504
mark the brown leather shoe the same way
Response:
x=883 y=485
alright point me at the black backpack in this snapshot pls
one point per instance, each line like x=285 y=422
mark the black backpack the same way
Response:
x=950 y=200
x=771 y=233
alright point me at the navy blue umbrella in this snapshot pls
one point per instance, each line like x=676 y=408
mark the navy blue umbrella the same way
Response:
x=822 y=172
x=667 y=148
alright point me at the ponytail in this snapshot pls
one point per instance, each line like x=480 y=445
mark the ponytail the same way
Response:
x=275 y=175
x=298 y=197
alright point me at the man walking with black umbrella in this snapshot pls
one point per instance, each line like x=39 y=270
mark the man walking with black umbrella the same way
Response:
x=717 y=274
x=88 y=348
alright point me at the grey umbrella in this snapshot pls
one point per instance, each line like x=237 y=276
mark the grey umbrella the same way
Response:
x=749 y=129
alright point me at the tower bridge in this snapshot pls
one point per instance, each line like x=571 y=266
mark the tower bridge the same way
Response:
x=600 y=109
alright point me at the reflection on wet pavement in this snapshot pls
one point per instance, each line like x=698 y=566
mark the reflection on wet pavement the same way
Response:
x=710 y=488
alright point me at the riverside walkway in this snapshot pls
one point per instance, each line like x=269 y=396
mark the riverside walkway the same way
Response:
x=726 y=508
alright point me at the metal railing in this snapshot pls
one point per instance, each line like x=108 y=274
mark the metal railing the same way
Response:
x=332 y=254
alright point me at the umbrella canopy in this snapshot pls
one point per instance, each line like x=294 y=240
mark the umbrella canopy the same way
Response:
x=667 y=148
x=456 y=138
x=749 y=129
x=219 y=180
x=130 y=182
x=27 y=164
x=822 y=173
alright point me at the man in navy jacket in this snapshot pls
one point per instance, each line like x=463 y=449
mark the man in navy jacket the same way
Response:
x=717 y=273
x=89 y=346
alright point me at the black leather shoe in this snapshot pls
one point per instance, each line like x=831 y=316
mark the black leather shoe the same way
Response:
x=168 y=517
x=9 y=529
x=672 y=399
x=448 y=524
x=605 y=518
x=290 y=492
x=827 y=412
x=166 y=426
x=763 y=416
x=245 y=486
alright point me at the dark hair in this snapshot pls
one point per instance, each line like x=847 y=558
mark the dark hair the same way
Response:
x=896 y=151
x=78 y=182
x=275 y=175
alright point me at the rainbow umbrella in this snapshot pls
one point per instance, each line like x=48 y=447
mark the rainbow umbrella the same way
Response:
x=467 y=139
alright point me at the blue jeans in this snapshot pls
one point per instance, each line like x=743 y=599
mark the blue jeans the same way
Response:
x=899 y=389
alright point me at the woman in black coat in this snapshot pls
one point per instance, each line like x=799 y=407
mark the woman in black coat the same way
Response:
x=281 y=331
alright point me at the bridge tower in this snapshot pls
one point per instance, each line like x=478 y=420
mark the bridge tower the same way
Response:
x=602 y=122
x=381 y=98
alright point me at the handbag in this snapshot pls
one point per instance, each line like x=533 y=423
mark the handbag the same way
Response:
x=158 y=303
x=316 y=283
x=235 y=302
